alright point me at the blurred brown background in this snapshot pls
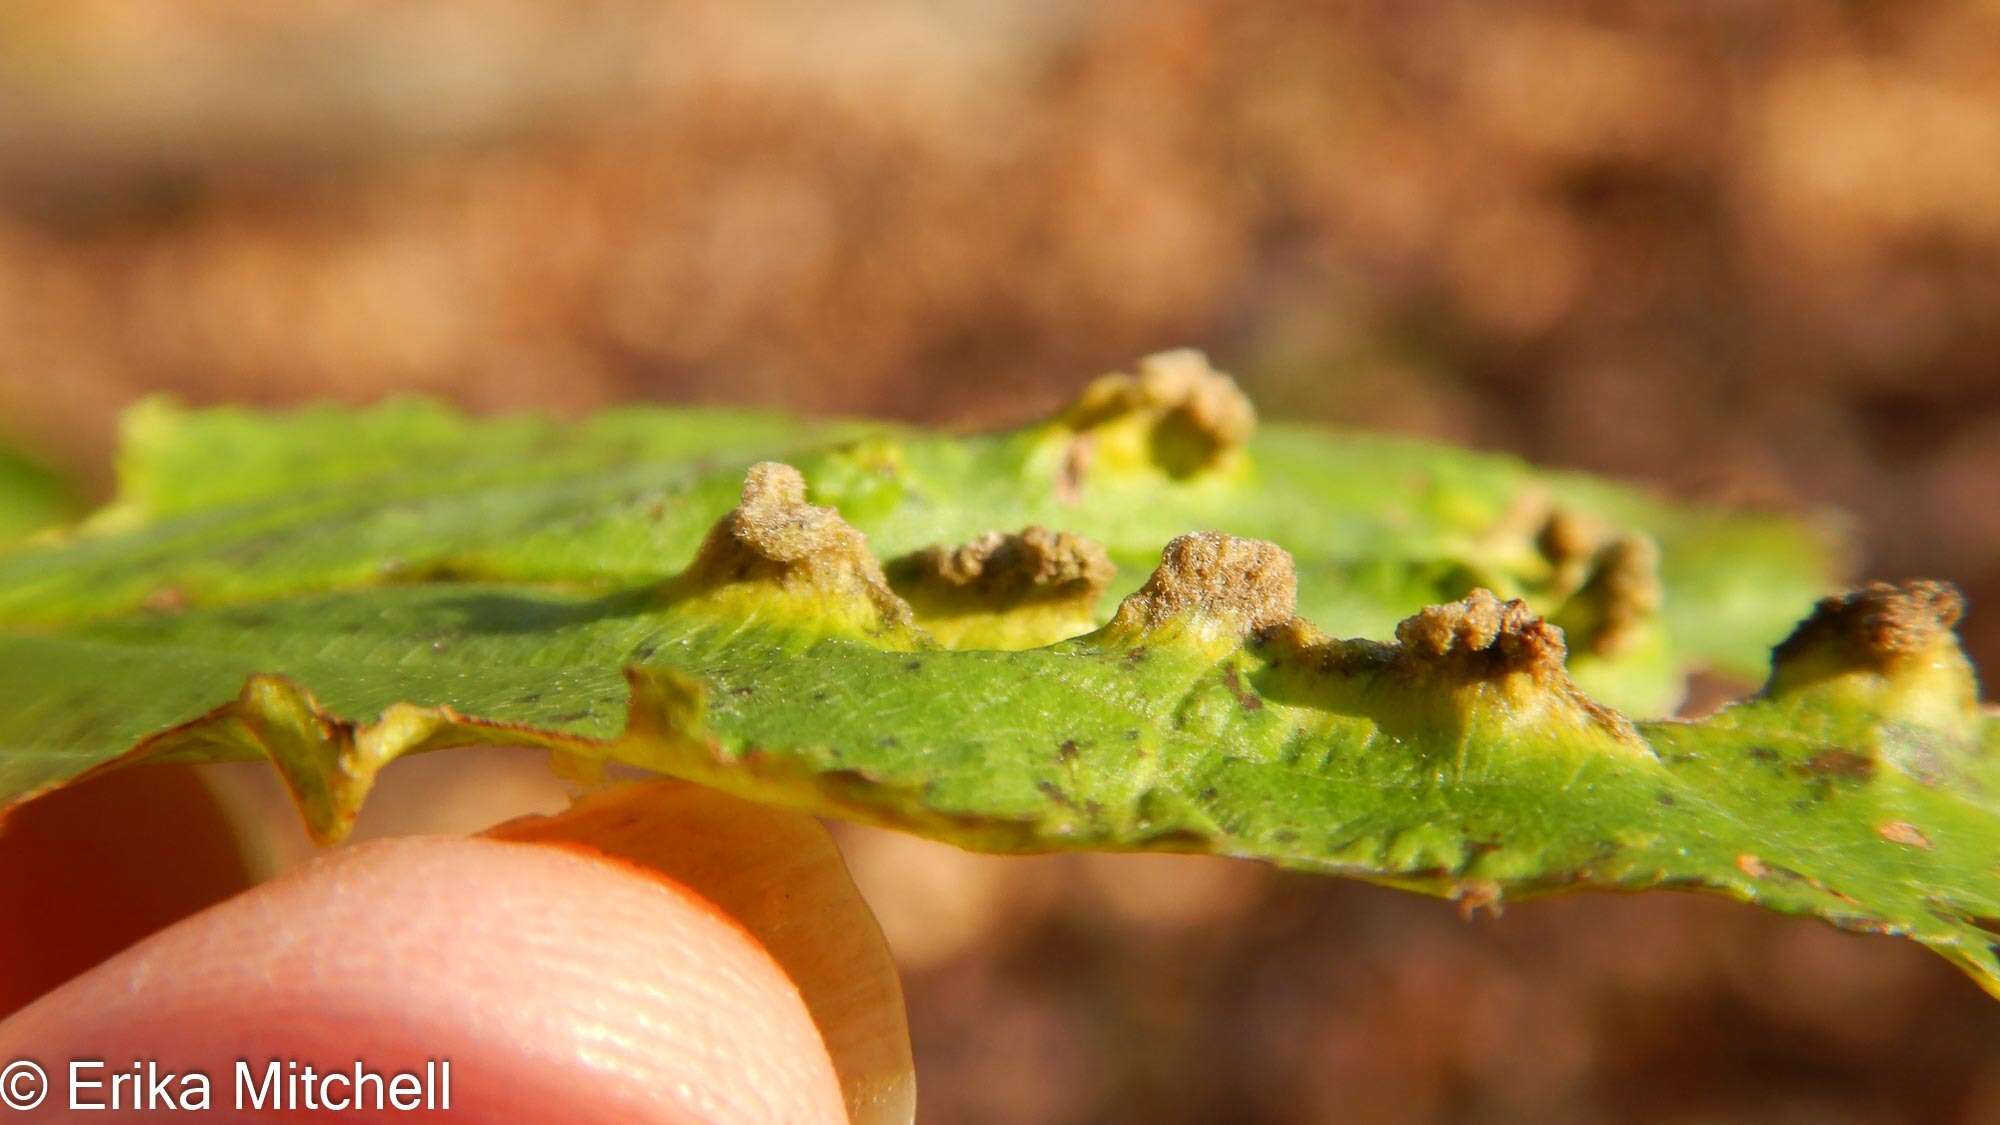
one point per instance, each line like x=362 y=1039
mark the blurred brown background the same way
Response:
x=1735 y=248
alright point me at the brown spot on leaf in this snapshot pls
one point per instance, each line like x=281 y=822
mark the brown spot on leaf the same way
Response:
x=166 y=599
x=1484 y=635
x=1842 y=763
x=1198 y=415
x=1566 y=538
x=1001 y=570
x=1876 y=625
x=1619 y=600
x=773 y=535
x=1475 y=895
x=1246 y=583
x=1983 y=924
x=1246 y=698
x=1903 y=832
x=1075 y=467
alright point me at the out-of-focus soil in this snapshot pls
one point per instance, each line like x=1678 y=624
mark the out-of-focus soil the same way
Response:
x=1749 y=251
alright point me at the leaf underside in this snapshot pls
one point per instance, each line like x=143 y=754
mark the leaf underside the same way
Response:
x=333 y=589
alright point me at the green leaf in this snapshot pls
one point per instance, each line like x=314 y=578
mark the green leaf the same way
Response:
x=981 y=694
x=31 y=498
x=326 y=499
x=174 y=461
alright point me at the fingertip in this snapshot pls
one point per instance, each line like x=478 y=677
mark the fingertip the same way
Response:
x=779 y=874
x=561 y=987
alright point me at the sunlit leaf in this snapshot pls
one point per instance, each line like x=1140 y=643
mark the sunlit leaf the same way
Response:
x=232 y=507
x=1024 y=690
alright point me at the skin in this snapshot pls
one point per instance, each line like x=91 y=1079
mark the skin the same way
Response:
x=562 y=986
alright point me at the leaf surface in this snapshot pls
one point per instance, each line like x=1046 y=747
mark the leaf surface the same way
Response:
x=1025 y=691
x=325 y=499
